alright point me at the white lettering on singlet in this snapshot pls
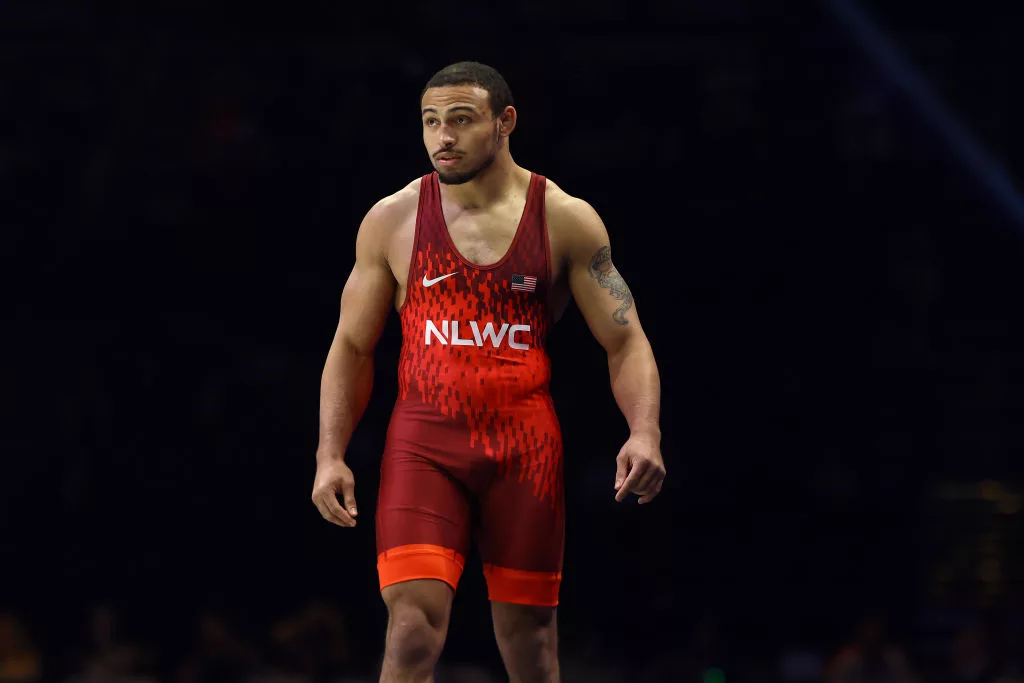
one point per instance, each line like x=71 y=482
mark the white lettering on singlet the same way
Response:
x=448 y=333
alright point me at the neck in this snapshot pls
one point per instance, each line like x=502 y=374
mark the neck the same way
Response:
x=491 y=185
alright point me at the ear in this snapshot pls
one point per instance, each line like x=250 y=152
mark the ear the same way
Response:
x=507 y=121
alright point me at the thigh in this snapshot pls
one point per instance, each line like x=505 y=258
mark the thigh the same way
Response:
x=521 y=536
x=423 y=521
x=512 y=620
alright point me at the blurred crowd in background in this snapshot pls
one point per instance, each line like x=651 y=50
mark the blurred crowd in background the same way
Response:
x=312 y=645
x=830 y=277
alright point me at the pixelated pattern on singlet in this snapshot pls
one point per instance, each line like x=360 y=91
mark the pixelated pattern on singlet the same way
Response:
x=471 y=371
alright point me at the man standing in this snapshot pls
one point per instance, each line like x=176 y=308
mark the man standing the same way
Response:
x=480 y=258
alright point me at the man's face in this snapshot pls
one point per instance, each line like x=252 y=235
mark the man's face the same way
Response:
x=460 y=132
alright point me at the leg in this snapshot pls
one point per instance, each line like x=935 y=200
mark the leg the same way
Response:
x=418 y=614
x=521 y=544
x=527 y=638
x=423 y=532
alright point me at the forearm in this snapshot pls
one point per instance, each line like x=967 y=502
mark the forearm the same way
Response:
x=345 y=389
x=637 y=386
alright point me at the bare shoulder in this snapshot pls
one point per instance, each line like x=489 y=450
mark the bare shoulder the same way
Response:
x=569 y=214
x=393 y=210
x=575 y=229
x=388 y=216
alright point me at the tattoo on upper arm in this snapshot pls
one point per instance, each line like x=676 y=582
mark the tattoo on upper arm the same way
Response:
x=603 y=270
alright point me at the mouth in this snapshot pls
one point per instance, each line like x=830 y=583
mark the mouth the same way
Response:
x=448 y=159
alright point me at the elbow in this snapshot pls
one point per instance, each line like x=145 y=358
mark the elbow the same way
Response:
x=627 y=345
x=633 y=354
x=354 y=349
x=347 y=351
x=346 y=360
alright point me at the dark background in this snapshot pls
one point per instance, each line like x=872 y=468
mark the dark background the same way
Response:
x=823 y=257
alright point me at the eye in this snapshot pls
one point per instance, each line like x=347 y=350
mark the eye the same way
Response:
x=462 y=120
x=430 y=122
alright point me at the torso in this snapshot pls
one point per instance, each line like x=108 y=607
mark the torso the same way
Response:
x=477 y=293
x=481 y=237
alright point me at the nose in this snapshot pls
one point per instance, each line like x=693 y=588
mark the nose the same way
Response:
x=446 y=136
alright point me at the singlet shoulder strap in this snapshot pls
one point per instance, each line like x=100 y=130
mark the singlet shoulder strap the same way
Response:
x=426 y=212
x=537 y=242
x=428 y=197
x=538 y=188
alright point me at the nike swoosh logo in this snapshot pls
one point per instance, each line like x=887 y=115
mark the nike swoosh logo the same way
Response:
x=430 y=283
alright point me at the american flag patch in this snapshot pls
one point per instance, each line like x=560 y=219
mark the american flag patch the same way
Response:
x=524 y=283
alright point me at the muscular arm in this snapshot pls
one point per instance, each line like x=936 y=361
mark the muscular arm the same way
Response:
x=607 y=305
x=348 y=373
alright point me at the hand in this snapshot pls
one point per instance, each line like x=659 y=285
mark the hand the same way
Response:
x=332 y=477
x=639 y=469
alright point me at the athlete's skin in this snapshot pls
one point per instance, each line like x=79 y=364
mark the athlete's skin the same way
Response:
x=482 y=215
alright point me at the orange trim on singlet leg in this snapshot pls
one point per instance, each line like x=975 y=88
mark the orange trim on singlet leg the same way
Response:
x=419 y=561
x=522 y=587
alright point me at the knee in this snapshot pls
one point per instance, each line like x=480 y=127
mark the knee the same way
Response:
x=525 y=625
x=412 y=641
x=415 y=636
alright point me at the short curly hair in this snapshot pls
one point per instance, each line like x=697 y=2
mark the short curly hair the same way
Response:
x=474 y=73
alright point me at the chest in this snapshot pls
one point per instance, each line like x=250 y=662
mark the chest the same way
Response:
x=483 y=237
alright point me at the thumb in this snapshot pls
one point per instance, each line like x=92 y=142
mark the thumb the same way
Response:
x=621 y=468
x=348 y=494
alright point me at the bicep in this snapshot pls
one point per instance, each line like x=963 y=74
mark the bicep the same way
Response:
x=368 y=294
x=600 y=290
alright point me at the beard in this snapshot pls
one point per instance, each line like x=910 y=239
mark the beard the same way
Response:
x=460 y=177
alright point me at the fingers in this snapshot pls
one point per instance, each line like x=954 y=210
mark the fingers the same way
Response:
x=621 y=469
x=334 y=479
x=348 y=494
x=650 y=496
x=651 y=484
x=331 y=510
x=645 y=479
x=636 y=473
